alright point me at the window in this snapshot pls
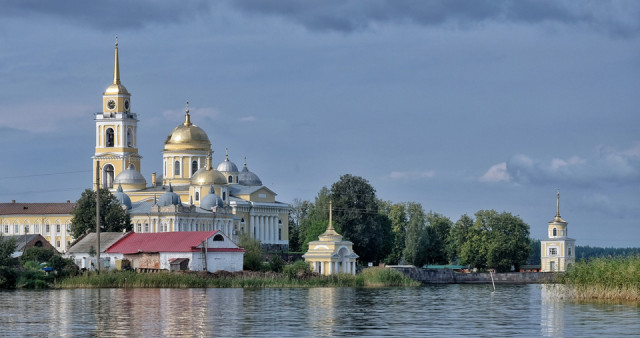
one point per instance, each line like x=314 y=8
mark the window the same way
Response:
x=197 y=196
x=218 y=238
x=110 y=137
x=279 y=234
x=139 y=228
x=553 y=251
x=68 y=227
x=194 y=167
x=224 y=195
x=57 y=228
x=107 y=179
x=236 y=179
x=176 y=168
x=37 y=230
x=16 y=229
x=47 y=229
x=230 y=179
x=262 y=195
x=146 y=227
x=555 y=232
x=569 y=251
x=129 y=138
x=6 y=228
x=26 y=229
x=57 y=244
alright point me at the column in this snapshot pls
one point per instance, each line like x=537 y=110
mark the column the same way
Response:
x=330 y=268
x=252 y=226
x=353 y=267
x=322 y=268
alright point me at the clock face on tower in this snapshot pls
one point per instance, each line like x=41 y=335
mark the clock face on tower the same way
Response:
x=111 y=104
x=126 y=105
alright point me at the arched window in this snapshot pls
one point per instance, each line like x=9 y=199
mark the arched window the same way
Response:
x=569 y=251
x=38 y=244
x=555 y=232
x=218 y=238
x=107 y=177
x=129 y=138
x=176 y=168
x=224 y=195
x=47 y=228
x=197 y=196
x=194 y=167
x=110 y=137
x=26 y=229
x=57 y=228
x=236 y=179
x=230 y=179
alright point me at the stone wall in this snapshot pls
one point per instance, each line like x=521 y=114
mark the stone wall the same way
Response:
x=446 y=276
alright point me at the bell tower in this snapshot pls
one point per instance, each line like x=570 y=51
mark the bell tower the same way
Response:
x=116 y=131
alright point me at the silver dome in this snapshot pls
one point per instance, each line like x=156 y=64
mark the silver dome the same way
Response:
x=211 y=200
x=169 y=198
x=130 y=176
x=227 y=166
x=123 y=198
x=246 y=177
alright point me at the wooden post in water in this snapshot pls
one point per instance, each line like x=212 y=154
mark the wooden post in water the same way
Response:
x=492 y=282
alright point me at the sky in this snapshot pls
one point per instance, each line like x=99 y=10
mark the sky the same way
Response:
x=457 y=105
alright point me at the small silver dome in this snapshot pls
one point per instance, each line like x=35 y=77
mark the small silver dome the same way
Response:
x=169 y=198
x=130 y=176
x=227 y=166
x=246 y=177
x=211 y=200
x=123 y=198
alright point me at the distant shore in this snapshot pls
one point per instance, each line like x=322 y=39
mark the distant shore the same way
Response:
x=372 y=277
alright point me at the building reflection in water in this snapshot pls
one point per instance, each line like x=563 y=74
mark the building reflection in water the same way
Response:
x=552 y=310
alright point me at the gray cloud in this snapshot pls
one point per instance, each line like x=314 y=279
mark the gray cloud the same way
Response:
x=107 y=14
x=607 y=166
x=619 y=18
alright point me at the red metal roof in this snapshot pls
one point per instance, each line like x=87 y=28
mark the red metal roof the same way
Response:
x=161 y=242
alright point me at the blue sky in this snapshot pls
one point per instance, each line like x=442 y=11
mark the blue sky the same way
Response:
x=458 y=105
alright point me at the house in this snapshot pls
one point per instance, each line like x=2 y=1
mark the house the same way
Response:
x=205 y=250
x=83 y=251
x=24 y=242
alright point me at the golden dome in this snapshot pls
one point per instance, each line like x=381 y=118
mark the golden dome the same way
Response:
x=208 y=176
x=187 y=136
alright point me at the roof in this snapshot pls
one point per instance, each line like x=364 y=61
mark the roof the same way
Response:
x=187 y=241
x=84 y=244
x=36 y=208
x=24 y=240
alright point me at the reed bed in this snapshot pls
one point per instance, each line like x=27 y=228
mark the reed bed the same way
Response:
x=372 y=277
x=616 y=278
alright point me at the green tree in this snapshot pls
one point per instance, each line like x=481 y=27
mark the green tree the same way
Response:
x=458 y=236
x=299 y=212
x=438 y=231
x=316 y=220
x=356 y=217
x=398 y=217
x=253 y=258
x=37 y=254
x=416 y=235
x=112 y=216
x=7 y=248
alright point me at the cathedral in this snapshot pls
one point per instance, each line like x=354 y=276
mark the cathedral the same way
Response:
x=190 y=194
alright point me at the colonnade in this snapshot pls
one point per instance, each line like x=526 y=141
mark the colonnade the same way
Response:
x=331 y=268
x=264 y=228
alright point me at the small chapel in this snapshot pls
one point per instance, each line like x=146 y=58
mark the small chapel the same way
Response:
x=558 y=250
x=330 y=255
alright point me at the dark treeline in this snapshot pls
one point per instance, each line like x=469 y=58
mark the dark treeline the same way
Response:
x=403 y=233
x=589 y=252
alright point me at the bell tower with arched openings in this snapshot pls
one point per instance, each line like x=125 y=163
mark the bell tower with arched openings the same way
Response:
x=116 y=131
x=558 y=251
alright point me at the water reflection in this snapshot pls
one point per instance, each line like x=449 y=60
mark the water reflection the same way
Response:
x=440 y=310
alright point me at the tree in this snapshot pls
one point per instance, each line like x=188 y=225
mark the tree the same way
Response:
x=458 y=236
x=252 y=259
x=7 y=248
x=299 y=212
x=438 y=232
x=316 y=220
x=112 y=216
x=416 y=237
x=37 y=254
x=356 y=217
x=398 y=218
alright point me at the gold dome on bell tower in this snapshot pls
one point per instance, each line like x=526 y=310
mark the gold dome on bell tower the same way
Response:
x=116 y=87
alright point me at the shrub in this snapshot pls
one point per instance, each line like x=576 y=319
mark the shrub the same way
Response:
x=37 y=254
x=276 y=264
x=298 y=270
x=8 y=278
x=253 y=253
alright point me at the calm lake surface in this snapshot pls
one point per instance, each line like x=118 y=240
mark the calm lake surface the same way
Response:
x=524 y=310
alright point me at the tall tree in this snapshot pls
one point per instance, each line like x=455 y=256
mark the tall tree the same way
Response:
x=438 y=232
x=398 y=217
x=316 y=220
x=299 y=211
x=416 y=235
x=458 y=236
x=112 y=216
x=356 y=217
x=7 y=248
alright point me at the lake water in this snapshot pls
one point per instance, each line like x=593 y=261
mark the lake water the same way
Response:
x=443 y=310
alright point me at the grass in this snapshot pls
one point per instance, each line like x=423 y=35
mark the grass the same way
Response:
x=615 y=278
x=372 y=277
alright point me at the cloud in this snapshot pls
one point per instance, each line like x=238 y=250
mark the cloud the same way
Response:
x=618 y=18
x=607 y=166
x=106 y=14
x=410 y=175
x=247 y=119
x=497 y=173
x=41 y=117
